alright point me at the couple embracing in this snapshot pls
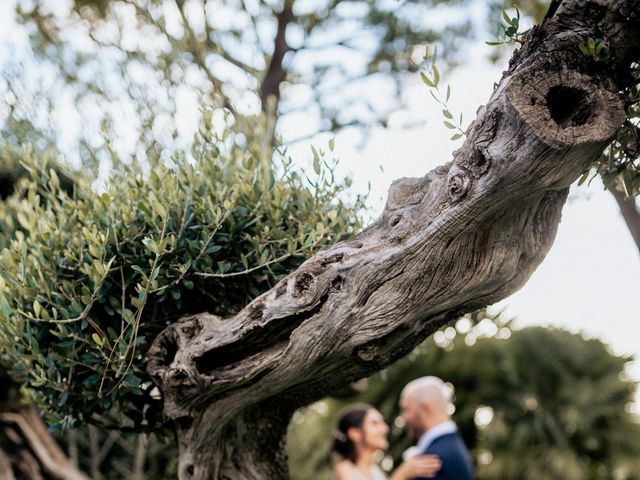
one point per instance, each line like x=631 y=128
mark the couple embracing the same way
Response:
x=440 y=453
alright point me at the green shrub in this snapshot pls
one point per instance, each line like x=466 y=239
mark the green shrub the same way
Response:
x=89 y=278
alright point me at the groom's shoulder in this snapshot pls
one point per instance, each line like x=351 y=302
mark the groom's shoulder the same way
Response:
x=450 y=447
x=454 y=455
x=449 y=441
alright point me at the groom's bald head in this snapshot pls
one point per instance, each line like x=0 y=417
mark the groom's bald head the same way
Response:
x=431 y=390
x=425 y=403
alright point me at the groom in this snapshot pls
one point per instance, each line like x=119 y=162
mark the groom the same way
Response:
x=424 y=403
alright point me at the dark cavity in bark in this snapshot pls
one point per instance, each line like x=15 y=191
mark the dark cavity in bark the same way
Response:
x=569 y=106
x=277 y=331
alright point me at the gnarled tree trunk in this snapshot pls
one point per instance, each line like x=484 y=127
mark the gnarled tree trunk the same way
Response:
x=465 y=235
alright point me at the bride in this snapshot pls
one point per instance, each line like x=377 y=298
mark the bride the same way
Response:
x=361 y=433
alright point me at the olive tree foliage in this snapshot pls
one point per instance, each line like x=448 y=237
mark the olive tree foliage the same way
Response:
x=88 y=277
x=530 y=403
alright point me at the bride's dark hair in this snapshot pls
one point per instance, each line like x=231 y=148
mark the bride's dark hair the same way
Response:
x=353 y=417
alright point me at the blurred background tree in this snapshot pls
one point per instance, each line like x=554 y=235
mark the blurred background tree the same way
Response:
x=531 y=403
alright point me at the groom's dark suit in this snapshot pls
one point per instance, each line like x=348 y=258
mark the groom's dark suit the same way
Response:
x=456 y=461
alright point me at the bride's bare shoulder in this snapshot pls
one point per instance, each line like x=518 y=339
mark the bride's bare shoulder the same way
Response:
x=343 y=470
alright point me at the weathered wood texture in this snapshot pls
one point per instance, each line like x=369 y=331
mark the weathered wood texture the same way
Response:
x=465 y=235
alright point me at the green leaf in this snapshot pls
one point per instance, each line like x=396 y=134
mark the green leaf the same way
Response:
x=599 y=47
x=131 y=380
x=449 y=125
x=456 y=136
x=506 y=17
x=447 y=114
x=158 y=208
x=97 y=339
x=6 y=310
x=316 y=160
x=213 y=249
x=95 y=251
x=332 y=144
x=151 y=245
x=426 y=80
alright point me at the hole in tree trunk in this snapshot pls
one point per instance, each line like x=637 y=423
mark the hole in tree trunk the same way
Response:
x=168 y=348
x=569 y=106
x=184 y=423
x=276 y=331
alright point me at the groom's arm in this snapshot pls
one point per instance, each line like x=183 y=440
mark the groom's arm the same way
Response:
x=456 y=464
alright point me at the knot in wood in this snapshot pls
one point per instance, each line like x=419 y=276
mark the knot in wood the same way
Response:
x=336 y=284
x=257 y=312
x=189 y=328
x=406 y=191
x=281 y=289
x=476 y=162
x=458 y=186
x=335 y=258
x=395 y=220
x=303 y=282
x=367 y=353
x=177 y=377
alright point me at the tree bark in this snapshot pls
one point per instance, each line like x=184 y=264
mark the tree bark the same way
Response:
x=27 y=450
x=629 y=212
x=30 y=451
x=466 y=235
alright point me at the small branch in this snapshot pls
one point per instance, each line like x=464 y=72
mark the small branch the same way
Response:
x=137 y=471
x=276 y=74
x=629 y=212
x=41 y=446
x=6 y=472
x=200 y=59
